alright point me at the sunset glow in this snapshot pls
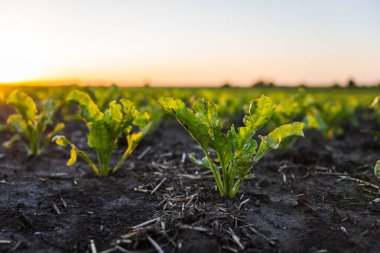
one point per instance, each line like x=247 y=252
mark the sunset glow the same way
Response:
x=189 y=42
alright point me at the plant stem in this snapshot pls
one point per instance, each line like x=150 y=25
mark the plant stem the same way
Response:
x=216 y=173
x=88 y=160
x=234 y=189
x=33 y=141
x=103 y=159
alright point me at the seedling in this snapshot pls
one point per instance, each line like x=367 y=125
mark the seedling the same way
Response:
x=104 y=131
x=237 y=152
x=28 y=125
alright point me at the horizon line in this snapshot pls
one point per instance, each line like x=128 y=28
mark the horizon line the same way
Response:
x=264 y=82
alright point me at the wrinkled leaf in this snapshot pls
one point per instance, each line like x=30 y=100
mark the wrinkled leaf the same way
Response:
x=100 y=137
x=129 y=111
x=273 y=140
x=17 y=122
x=23 y=104
x=207 y=111
x=142 y=119
x=89 y=110
x=260 y=112
x=190 y=121
x=46 y=116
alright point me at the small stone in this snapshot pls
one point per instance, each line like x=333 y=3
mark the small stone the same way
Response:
x=374 y=205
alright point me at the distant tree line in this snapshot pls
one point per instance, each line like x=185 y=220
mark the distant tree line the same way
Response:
x=351 y=83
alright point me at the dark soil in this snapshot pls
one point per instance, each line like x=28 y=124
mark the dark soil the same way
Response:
x=303 y=199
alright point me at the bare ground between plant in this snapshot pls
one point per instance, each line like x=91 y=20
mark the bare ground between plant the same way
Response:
x=303 y=199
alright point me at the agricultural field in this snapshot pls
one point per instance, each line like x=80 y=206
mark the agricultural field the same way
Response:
x=112 y=169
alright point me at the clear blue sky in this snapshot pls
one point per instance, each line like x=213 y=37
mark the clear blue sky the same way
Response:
x=190 y=42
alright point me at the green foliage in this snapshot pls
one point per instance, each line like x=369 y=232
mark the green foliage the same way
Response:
x=105 y=129
x=28 y=125
x=329 y=115
x=376 y=169
x=103 y=95
x=237 y=151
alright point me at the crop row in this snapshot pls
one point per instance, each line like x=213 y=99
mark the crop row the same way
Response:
x=229 y=152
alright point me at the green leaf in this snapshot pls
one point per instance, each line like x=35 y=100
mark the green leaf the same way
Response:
x=89 y=110
x=73 y=157
x=142 y=119
x=61 y=140
x=23 y=104
x=113 y=115
x=260 y=111
x=313 y=119
x=51 y=135
x=205 y=127
x=133 y=140
x=208 y=112
x=129 y=111
x=273 y=140
x=155 y=116
x=111 y=121
x=116 y=120
x=193 y=123
x=377 y=169
x=46 y=116
x=100 y=137
x=244 y=148
x=249 y=176
x=17 y=122
x=57 y=128
x=201 y=163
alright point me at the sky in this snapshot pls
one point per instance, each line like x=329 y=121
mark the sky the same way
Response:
x=174 y=43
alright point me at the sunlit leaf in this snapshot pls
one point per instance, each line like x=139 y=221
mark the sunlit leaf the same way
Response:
x=89 y=109
x=23 y=104
x=273 y=140
x=73 y=157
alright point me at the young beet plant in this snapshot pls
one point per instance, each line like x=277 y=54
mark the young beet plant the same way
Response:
x=104 y=131
x=28 y=125
x=237 y=151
